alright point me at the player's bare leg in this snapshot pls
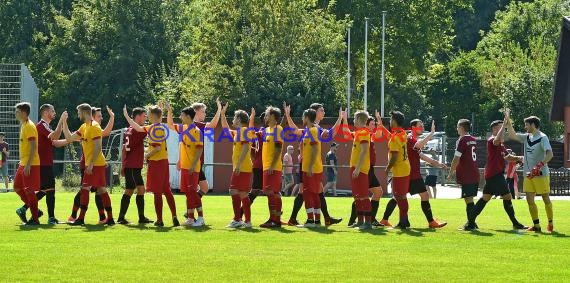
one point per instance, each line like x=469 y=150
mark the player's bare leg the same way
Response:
x=549 y=212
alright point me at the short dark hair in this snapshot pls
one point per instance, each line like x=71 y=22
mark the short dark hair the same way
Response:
x=311 y=114
x=398 y=117
x=275 y=112
x=2 y=134
x=138 y=111
x=370 y=119
x=316 y=106
x=415 y=122
x=495 y=123
x=533 y=120
x=189 y=111
x=44 y=108
x=155 y=110
x=95 y=110
x=465 y=124
x=333 y=144
x=242 y=116
x=24 y=107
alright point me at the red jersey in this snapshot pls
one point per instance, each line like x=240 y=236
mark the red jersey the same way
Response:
x=45 y=147
x=256 y=151
x=372 y=152
x=133 y=148
x=467 y=169
x=414 y=158
x=495 y=159
x=201 y=126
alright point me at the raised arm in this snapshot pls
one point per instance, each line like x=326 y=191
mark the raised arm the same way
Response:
x=511 y=130
x=500 y=135
x=169 y=119
x=291 y=124
x=132 y=122
x=56 y=134
x=69 y=137
x=214 y=123
x=252 y=118
x=223 y=117
x=422 y=143
x=107 y=131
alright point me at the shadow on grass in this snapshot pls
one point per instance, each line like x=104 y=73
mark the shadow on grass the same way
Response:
x=373 y=231
x=411 y=232
x=32 y=228
x=252 y=230
x=204 y=228
x=479 y=233
x=559 y=235
x=513 y=232
x=94 y=227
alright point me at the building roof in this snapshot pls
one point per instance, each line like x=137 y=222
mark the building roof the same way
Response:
x=561 y=95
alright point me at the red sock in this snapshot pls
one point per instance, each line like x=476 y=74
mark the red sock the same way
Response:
x=236 y=204
x=271 y=206
x=32 y=203
x=84 y=203
x=278 y=207
x=107 y=204
x=158 y=206
x=308 y=197
x=22 y=194
x=367 y=208
x=188 y=200
x=403 y=206
x=246 y=205
x=359 y=214
x=170 y=201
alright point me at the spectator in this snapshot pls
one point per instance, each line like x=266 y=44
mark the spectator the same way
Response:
x=289 y=182
x=4 y=162
x=331 y=171
x=432 y=175
x=512 y=177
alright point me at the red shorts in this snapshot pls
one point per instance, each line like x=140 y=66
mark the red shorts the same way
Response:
x=359 y=184
x=312 y=183
x=96 y=179
x=158 y=176
x=188 y=182
x=241 y=182
x=272 y=182
x=400 y=185
x=32 y=181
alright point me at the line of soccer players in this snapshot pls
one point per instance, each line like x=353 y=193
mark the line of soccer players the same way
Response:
x=257 y=165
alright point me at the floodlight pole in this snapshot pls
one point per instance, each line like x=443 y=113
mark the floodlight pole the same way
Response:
x=366 y=64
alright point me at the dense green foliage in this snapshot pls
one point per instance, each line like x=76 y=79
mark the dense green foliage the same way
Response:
x=444 y=59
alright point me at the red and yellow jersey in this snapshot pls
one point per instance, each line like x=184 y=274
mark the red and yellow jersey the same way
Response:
x=90 y=133
x=191 y=143
x=242 y=138
x=28 y=133
x=361 y=136
x=310 y=139
x=272 y=141
x=162 y=154
x=398 y=145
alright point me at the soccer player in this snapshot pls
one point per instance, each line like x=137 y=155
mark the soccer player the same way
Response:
x=325 y=134
x=359 y=168
x=312 y=168
x=332 y=172
x=47 y=139
x=417 y=185
x=191 y=147
x=272 y=138
x=432 y=174
x=90 y=134
x=98 y=117
x=373 y=183
x=27 y=179
x=400 y=167
x=131 y=167
x=537 y=153
x=240 y=183
x=495 y=183
x=200 y=110
x=157 y=178
x=464 y=166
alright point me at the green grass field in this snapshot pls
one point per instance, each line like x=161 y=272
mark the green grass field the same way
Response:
x=145 y=253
